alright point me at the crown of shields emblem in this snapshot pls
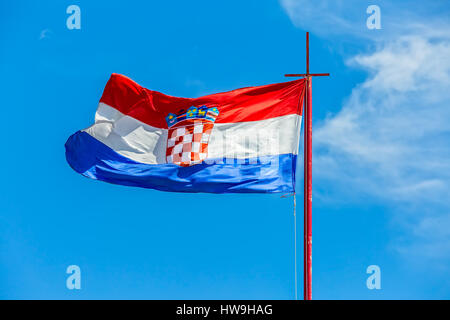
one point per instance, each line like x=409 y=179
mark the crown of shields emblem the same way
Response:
x=188 y=137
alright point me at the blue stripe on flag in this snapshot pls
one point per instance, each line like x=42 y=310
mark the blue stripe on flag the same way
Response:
x=268 y=174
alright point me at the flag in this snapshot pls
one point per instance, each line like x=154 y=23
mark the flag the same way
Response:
x=241 y=141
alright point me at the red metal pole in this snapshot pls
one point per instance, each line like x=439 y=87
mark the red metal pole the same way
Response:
x=308 y=195
x=308 y=184
x=307 y=244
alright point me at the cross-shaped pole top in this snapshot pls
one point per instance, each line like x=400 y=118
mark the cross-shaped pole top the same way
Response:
x=307 y=74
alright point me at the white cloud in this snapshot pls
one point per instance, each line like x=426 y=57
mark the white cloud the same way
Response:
x=346 y=19
x=324 y=17
x=391 y=138
x=45 y=34
x=395 y=124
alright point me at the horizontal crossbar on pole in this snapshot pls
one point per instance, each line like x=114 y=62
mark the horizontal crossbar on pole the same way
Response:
x=307 y=75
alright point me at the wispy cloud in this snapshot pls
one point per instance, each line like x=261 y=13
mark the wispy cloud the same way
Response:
x=391 y=138
x=46 y=33
x=346 y=19
x=394 y=127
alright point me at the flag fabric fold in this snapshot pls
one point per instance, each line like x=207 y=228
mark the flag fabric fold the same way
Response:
x=241 y=141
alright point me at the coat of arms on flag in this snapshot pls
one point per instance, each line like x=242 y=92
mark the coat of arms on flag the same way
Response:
x=188 y=135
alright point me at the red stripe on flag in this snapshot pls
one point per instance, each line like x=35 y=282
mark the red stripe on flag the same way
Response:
x=246 y=104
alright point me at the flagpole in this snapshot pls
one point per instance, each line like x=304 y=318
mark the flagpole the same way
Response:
x=307 y=194
x=307 y=226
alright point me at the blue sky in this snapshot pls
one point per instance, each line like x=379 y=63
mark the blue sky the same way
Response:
x=381 y=170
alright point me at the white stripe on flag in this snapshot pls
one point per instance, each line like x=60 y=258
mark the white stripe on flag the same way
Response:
x=146 y=144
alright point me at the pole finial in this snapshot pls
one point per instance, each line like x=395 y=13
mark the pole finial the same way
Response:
x=307 y=53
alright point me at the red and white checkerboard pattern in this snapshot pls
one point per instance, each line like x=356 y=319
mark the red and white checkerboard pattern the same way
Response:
x=187 y=143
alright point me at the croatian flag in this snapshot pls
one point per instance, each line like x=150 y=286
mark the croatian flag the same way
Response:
x=241 y=141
